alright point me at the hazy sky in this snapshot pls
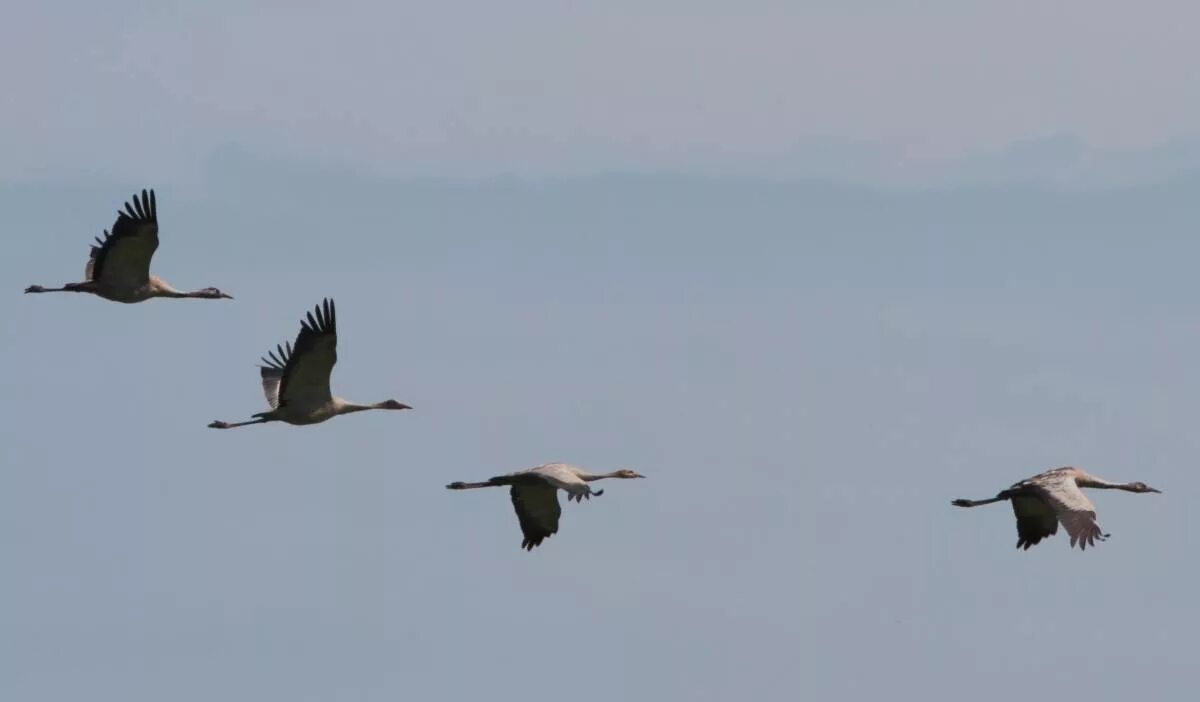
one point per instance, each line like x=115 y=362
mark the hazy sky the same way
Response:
x=807 y=373
x=538 y=87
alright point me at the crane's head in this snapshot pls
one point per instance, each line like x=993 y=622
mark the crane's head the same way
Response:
x=1142 y=487
x=393 y=405
x=212 y=294
x=626 y=473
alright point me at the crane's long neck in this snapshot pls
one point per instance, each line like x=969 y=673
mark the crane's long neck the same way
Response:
x=172 y=292
x=589 y=477
x=1101 y=484
x=162 y=288
x=348 y=407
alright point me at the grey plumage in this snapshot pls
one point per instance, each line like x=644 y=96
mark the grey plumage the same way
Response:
x=295 y=377
x=124 y=255
x=118 y=266
x=534 y=495
x=1044 y=501
x=300 y=373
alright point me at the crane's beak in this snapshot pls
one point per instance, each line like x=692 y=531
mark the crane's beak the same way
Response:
x=227 y=296
x=1150 y=489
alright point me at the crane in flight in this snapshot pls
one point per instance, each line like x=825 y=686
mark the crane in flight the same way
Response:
x=1040 y=503
x=119 y=266
x=295 y=379
x=534 y=494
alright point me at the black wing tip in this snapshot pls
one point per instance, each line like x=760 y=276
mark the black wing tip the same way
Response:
x=321 y=320
x=530 y=542
x=325 y=313
x=143 y=209
x=1091 y=539
x=278 y=357
x=1025 y=542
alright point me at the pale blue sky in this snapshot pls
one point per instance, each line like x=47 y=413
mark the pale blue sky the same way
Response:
x=807 y=372
x=859 y=88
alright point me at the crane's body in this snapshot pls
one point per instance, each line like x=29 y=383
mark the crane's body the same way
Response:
x=118 y=267
x=1042 y=502
x=534 y=494
x=301 y=415
x=295 y=378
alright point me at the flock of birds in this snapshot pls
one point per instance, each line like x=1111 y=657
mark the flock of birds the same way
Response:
x=295 y=377
x=295 y=380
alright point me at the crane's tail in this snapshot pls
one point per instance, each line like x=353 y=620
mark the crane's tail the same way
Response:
x=581 y=496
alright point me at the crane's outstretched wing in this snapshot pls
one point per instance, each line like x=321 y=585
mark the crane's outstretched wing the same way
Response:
x=561 y=475
x=272 y=372
x=1035 y=519
x=1072 y=508
x=123 y=257
x=536 y=504
x=299 y=374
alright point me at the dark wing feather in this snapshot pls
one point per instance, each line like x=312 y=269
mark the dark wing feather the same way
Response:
x=122 y=258
x=536 y=504
x=299 y=374
x=272 y=372
x=1035 y=519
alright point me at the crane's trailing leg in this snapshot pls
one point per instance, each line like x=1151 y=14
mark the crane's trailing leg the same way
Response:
x=460 y=485
x=69 y=287
x=226 y=425
x=976 y=503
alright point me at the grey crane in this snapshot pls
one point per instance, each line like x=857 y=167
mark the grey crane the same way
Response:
x=295 y=379
x=534 y=494
x=118 y=268
x=1046 y=499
